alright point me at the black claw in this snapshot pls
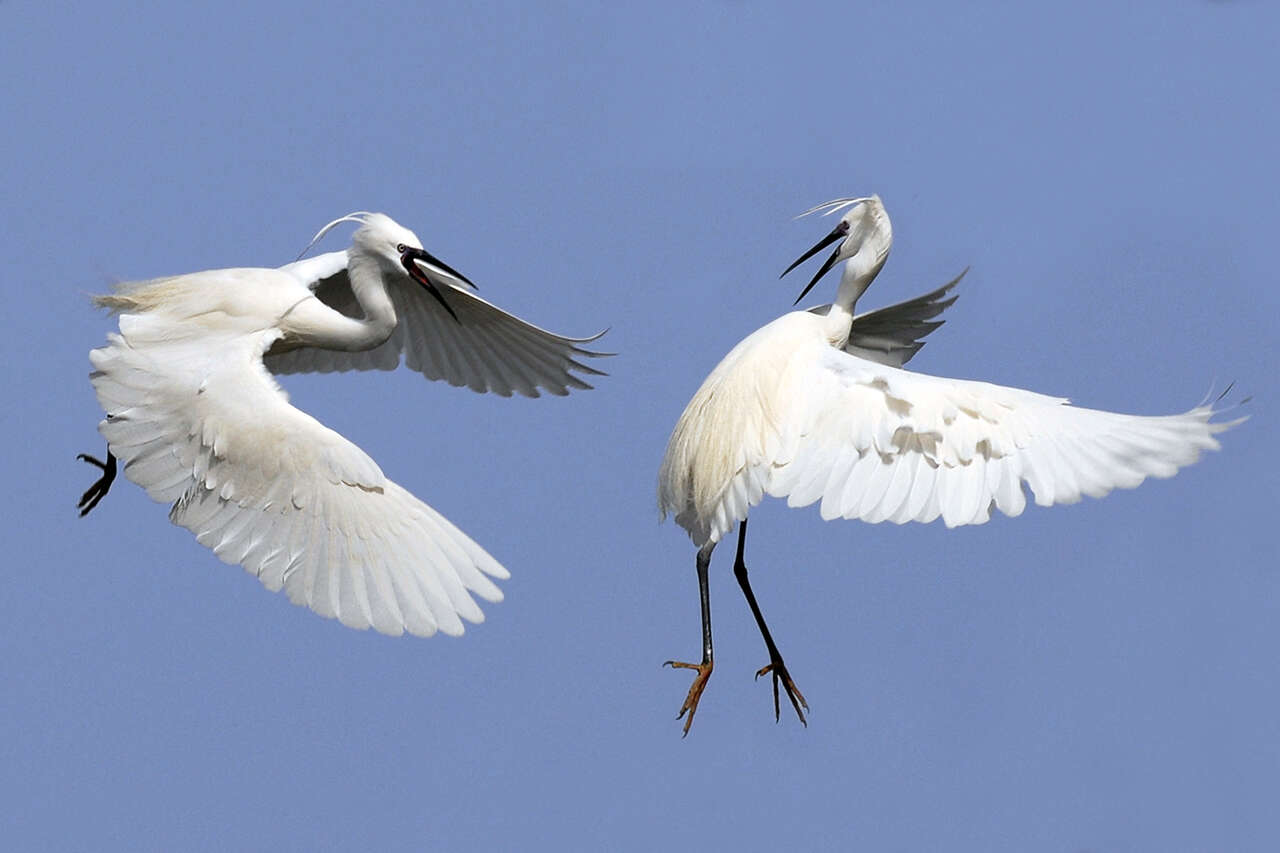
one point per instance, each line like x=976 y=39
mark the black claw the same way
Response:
x=778 y=671
x=101 y=486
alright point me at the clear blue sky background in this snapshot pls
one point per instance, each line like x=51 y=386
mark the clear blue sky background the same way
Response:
x=1100 y=677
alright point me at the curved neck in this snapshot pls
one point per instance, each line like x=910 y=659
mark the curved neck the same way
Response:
x=370 y=290
x=859 y=271
x=310 y=322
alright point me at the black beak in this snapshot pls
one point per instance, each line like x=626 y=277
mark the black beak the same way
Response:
x=838 y=233
x=409 y=259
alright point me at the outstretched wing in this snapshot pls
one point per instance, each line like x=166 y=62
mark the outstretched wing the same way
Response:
x=892 y=335
x=485 y=348
x=882 y=444
x=198 y=421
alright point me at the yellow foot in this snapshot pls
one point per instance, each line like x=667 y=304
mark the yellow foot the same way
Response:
x=690 y=705
x=779 y=672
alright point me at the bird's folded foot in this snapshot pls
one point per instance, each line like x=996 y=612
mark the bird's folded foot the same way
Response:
x=779 y=672
x=101 y=486
x=690 y=705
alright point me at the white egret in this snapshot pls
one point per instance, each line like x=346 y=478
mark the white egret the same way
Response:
x=816 y=405
x=198 y=420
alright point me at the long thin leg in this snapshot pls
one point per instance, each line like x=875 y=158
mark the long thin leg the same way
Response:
x=690 y=705
x=99 y=489
x=775 y=666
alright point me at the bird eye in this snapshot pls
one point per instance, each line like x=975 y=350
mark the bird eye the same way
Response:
x=402 y=248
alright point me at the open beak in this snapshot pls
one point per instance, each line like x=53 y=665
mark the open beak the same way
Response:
x=419 y=262
x=838 y=233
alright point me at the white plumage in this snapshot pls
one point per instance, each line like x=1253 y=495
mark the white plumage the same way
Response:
x=816 y=406
x=788 y=415
x=199 y=421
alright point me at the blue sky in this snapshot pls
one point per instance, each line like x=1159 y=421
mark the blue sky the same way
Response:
x=1094 y=677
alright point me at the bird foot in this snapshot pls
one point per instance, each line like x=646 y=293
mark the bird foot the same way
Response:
x=101 y=486
x=779 y=672
x=690 y=705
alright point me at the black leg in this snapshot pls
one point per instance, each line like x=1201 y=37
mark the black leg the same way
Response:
x=690 y=705
x=99 y=489
x=775 y=666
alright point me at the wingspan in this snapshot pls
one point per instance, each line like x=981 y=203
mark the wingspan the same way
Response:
x=485 y=348
x=882 y=444
x=198 y=421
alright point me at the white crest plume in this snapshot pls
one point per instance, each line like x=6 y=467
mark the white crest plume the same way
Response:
x=357 y=217
x=829 y=207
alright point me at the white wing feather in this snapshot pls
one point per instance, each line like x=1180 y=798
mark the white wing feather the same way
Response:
x=485 y=348
x=787 y=414
x=197 y=420
x=877 y=443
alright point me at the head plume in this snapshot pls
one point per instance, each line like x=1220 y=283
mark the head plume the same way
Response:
x=835 y=205
x=360 y=217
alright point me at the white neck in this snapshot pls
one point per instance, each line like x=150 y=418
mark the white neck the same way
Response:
x=312 y=323
x=369 y=287
x=859 y=271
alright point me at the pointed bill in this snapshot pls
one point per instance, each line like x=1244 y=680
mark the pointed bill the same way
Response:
x=838 y=233
x=432 y=264
x=417 y=263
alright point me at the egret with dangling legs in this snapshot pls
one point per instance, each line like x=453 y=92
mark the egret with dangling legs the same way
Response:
x=817 y=406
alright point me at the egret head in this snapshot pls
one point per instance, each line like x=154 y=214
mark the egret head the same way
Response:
x=397 y=250
x=864 y=232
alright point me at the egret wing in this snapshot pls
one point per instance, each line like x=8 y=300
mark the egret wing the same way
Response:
x=485 y=348
x=894 y=334
x=879 y=443
x=197 y=420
